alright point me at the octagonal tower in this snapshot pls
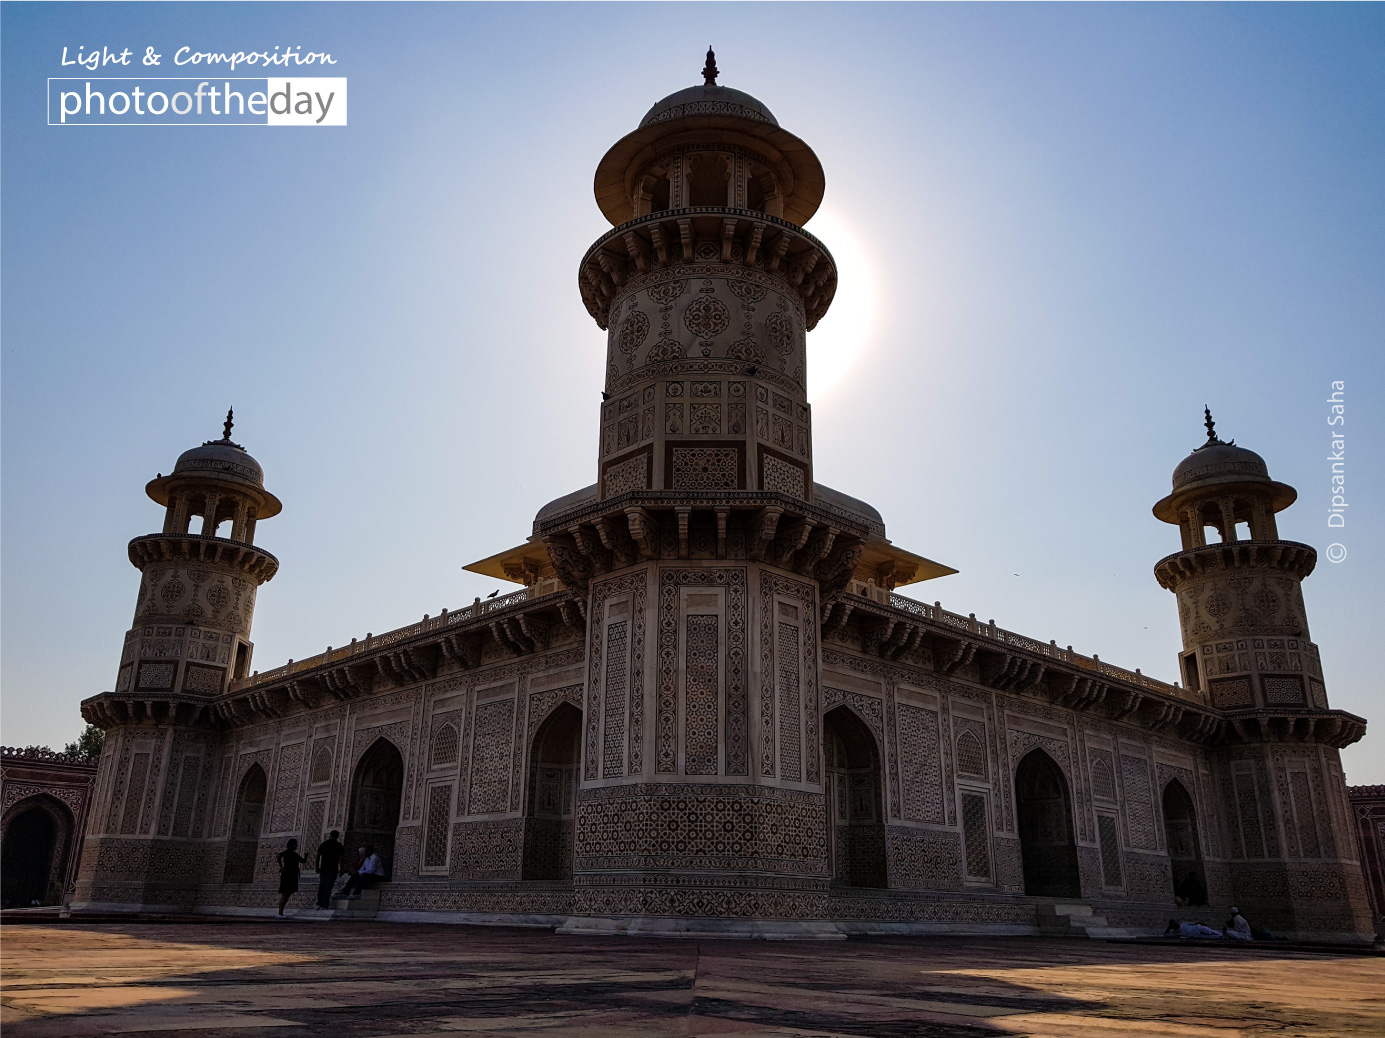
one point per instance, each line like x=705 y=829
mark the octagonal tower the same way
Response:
x=706 y=287
x=190 y=640
x=1240 y=605
x=197 y=592
x=705 y=548
x=1246 y=651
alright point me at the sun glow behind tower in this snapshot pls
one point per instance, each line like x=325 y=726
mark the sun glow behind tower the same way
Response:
x=843 y=338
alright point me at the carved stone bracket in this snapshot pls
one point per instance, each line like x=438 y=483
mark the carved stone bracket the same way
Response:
x=463 y=649
x=573 y=566
x=644 y=531
x=408 y=665
x=834 y=572
x=762 y=531
x=347 y=681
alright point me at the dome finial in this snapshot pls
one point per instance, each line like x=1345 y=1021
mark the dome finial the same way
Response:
x=1213 y=439
x=226 y=426
x=710 y=70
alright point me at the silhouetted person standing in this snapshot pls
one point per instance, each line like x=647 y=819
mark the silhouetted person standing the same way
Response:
x=290 y=861
x=329 y=853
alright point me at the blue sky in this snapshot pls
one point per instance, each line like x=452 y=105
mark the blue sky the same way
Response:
x=1061 y=231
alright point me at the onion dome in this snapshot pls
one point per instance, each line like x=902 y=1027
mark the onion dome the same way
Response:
x=1219 y=463
x=708 y=115
x=709 y=100
x=221 y=462
x=1218 y=466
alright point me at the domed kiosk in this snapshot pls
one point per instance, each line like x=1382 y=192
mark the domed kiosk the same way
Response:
x=1223 y=486
x=197 y=595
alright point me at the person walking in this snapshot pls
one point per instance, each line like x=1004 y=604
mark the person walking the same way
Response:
x=290 y=861
x=329 y=853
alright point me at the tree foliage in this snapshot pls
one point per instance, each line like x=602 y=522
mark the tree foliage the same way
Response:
x=89 y=743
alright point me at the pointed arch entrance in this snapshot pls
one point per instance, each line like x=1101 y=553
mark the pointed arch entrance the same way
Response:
x=548 y=823
x=34 y=853
x=244 y=844
x=1185 y=850
x=377 y=788
x=1047 y=843
x=856 y=830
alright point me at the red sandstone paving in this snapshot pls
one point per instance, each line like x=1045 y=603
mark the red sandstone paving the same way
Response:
x=364 y=980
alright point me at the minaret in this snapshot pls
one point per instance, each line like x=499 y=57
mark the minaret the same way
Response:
x=1246 y=650
x=1245 y=633
x=200 y=584
x=706 y=550
x=150 y=823
x=706 y=287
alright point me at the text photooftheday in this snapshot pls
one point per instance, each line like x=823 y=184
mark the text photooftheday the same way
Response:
x=305 y=101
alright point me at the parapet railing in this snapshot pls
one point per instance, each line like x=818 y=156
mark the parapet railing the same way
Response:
x=43 y=753
x=934 y=613
x=982 y=629
x=670 y=215
x=429 y=624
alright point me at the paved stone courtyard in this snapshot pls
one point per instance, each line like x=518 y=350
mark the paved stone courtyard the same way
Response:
x=233 y=979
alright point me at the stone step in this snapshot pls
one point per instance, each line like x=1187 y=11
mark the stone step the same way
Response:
x=1070 y=919
x=363 y=907
x=1072 y=931
x=1072 y=908
x=1112 y=933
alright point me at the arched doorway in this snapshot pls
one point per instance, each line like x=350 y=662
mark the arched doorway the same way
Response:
x=30 y=858
x=244 y=844
x=1045 y=822
x=548 y=828
x=1185 y=852
x=856 y=833
x=376 y=791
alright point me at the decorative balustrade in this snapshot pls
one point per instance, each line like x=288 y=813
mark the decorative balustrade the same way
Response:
x=43 y=753
x=675 y=237
x=934 y=613
x=371 y=642
x=937 y=614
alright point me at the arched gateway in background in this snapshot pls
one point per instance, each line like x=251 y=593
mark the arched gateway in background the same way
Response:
x=707 y=711
x=44 y=798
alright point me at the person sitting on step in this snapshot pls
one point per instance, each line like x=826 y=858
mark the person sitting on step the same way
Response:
x=368 y=873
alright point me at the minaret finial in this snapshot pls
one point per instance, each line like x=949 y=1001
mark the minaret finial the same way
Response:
x=1211 y=425
x=230 y=421
x=710 y=70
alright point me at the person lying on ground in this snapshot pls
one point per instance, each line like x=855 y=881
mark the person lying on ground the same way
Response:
x=1189 y=930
